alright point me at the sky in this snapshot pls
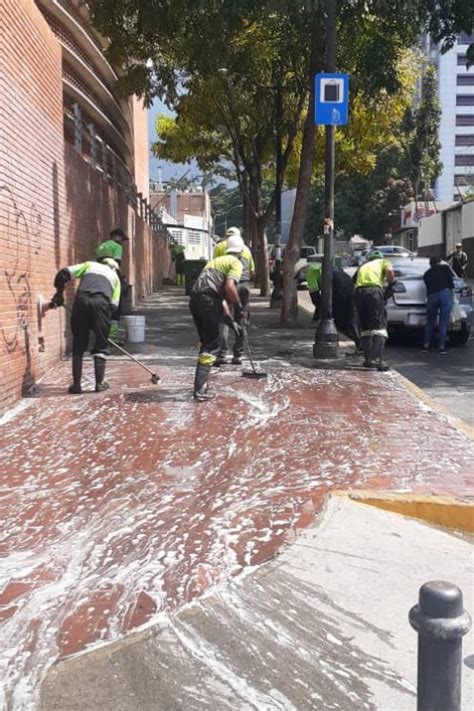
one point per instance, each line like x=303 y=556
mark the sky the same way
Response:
x=169 y=170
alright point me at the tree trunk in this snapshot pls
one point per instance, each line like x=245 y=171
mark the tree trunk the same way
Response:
x=263 y=258
x=289 y=306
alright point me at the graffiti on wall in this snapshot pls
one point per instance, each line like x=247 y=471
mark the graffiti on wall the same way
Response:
x=23 y=238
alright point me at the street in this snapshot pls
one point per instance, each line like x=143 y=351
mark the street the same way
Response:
x=448 y=379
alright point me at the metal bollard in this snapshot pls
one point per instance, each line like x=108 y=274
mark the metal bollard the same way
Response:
x=441 y=621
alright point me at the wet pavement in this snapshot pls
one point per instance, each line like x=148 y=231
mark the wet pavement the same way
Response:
x=118 y=506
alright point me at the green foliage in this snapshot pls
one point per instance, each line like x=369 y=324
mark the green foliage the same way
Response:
x=422 y=129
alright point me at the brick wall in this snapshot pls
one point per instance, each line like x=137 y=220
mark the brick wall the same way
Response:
x=54 y=209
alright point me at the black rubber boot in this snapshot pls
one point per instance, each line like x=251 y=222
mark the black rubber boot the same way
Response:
x=75 y=388
x=200 y=383
x=366 y=345
x=378 y=344
x=99 y=371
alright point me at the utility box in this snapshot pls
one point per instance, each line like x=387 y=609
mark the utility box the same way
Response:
x=192 y=269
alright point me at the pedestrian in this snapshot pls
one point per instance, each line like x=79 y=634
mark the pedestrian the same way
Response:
x=343 y=308
x=242 y=316
x=439 y=284
x=113 y=249
x=369 y=299
x=459 y=260
x=96 y=302
x=212 y=297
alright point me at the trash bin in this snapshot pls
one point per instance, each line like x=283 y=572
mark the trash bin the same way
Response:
x=192 y=269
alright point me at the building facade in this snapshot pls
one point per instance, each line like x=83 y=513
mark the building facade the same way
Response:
x=456 y=94
x=73 y=165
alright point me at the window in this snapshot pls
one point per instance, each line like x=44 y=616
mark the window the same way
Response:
x=465 y=140
x=465 y=120
x=462 y=60
x=465 y=39
x=465 y=80
x=464 y=160
x=463 y=180
x=194 y=237
x=178 y=235
x=465 y=100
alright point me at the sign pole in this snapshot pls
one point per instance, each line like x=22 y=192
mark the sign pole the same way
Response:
x=326 y=340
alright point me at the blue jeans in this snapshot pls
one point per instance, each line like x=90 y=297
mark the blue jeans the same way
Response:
x=442 y=302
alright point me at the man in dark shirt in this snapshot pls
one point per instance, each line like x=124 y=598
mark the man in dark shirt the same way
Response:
x=439 y=288
x=459 y=260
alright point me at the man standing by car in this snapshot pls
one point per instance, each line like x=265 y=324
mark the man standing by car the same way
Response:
x=369 y=280
x=459 y=262
x=439 y=288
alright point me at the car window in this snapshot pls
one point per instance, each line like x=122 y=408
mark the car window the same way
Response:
x=410 y=268
x=306 y=252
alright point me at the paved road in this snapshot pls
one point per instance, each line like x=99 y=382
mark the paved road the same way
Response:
x=447 y=379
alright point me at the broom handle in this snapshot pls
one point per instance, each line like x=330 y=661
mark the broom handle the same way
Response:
x=247 y=347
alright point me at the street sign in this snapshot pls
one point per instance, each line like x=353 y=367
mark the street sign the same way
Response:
x=332 y=99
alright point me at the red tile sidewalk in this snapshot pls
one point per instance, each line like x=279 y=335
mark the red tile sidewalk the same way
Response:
x=120 y=505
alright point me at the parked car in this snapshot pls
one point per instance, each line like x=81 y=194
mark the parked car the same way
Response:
x=306 y=251
x=406 y=308
x=391 y=251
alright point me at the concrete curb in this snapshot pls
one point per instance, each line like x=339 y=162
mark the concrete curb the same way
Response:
x=435 y=406
x=446 y=511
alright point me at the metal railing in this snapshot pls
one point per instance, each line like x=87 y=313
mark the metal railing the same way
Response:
x=102 y=158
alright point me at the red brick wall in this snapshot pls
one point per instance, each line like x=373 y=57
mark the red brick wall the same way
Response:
x=54 y=209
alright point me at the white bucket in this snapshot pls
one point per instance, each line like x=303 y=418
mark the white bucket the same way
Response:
x=135 y=326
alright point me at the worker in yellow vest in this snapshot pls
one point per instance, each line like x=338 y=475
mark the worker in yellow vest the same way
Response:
x=369 y=281
x=241 y=316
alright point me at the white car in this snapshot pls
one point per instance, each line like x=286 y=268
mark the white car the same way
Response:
x=391 y=251
x=406 y=308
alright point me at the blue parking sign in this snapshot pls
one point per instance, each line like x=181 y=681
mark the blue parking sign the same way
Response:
x=332 y=99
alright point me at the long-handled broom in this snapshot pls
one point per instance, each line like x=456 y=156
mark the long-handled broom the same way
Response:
x=44 y=306
x=254 y=373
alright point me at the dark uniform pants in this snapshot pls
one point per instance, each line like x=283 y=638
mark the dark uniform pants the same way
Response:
x=206 y=310
x=371 y=309
x=242 y=319
x=90 y=312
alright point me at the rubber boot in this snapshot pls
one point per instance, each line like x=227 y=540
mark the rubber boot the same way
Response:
x=378 y=344
x=75 y=388
x=366 y=345
x=99 y=371
x=200 y=383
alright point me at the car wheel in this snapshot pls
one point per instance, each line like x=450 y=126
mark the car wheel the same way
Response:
x=460 y=338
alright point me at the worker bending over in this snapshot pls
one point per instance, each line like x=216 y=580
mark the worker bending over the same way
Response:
x=242 y=316
x=96 y=302
x=213 y=295
x=369 y=280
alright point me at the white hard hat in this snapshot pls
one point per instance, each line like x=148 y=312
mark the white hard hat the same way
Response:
x=232 y=232
x=111 y=263
x=235 y=244
x=459 y=244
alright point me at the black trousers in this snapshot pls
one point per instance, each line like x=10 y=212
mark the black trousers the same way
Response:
x=90 y=312
x=371 y=309
x=206 y=310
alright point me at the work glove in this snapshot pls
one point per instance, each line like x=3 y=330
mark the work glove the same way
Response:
x=58 y=299
x=229 y=321
x=238 y=310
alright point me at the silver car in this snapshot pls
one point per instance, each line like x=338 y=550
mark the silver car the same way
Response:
x=407 y=307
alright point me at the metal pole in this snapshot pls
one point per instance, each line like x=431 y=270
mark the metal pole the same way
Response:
x=441 y=621
x=277 y=293
x=326 y=340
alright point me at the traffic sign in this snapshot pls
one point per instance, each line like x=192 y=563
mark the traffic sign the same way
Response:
x=332 y=99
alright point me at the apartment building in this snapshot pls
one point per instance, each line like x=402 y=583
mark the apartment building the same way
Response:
x=456 y=93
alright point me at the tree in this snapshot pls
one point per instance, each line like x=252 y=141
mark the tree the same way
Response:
x=169 y=48
x=422 y=129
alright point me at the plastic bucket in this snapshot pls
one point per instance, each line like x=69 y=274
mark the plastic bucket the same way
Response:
x=135 y=326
